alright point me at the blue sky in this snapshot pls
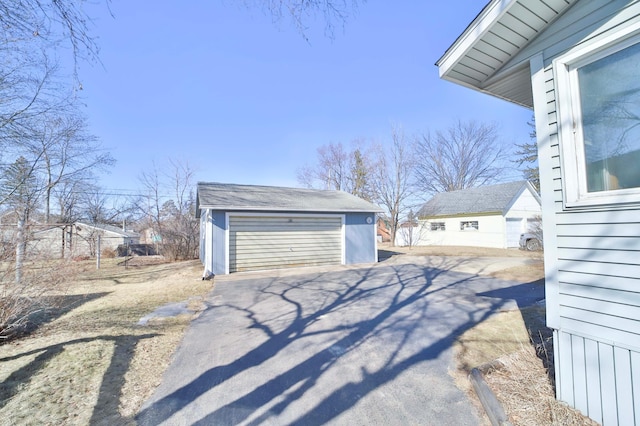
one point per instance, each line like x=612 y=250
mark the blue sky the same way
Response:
x=244 y=99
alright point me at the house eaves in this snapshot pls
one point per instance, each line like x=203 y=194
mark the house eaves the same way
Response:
x=481 y=57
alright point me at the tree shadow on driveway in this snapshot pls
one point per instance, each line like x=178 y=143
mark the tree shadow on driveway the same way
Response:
x=369 y=345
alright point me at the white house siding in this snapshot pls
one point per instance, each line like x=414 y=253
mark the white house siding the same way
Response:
x=520 y=217
x=490 y=233
x=593 y=264
x=525 y=206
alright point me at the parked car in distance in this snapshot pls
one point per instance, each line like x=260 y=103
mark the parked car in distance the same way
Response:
x=529 y=241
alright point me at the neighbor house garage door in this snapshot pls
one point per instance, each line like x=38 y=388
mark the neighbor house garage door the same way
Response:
x=268 y=242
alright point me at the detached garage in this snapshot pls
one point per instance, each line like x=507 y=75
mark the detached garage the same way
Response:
x=251 y=228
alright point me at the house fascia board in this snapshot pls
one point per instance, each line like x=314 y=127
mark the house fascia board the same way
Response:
x=491 y=13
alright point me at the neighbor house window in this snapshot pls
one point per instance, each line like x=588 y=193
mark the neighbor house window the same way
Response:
x=471 y=225
x=437 y=226
x=599 y=108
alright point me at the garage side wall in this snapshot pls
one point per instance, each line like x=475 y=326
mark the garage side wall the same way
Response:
x=360 y=238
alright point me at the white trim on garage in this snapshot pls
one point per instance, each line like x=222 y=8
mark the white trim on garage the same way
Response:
x=271 y=248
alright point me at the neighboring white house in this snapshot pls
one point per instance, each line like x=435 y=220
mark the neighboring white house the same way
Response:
x=79 y=239
x=577 y=63
x=486 y=216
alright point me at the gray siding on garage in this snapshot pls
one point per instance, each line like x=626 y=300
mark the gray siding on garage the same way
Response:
x=259 y=242
x=592 y=257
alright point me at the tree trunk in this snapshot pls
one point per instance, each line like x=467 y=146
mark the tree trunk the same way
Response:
x=20 y=249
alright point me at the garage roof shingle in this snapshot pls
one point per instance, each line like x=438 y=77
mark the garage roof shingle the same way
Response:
x=234 y=197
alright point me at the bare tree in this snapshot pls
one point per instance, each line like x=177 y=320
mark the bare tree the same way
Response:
x=466 y=155
x=331 y=171
x=393 y=183
x=332 y=12
x=30 y=83
x=528 y=156
x=62 y=151
x=411 y=230
x=183 y=230
x=31 y=88
x=20 y=190
x=98 y=207
x=169 y=208
x=340 y=169
x=48 y=24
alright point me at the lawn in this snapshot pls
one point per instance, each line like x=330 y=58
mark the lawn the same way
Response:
x=91 y=362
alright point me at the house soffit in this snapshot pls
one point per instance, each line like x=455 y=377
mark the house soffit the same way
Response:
x=499 y=32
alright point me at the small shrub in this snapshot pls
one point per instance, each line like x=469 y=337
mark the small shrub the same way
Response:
x=109 y=253
x=38 y=291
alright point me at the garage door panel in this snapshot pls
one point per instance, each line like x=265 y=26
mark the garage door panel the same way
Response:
x=277 y=242
x=270 y=251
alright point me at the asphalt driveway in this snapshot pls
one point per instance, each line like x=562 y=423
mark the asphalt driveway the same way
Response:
x=350 y=346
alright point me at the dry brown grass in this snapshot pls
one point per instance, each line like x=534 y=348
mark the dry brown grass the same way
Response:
x=518 y=344
x=460 y=251
x=92 y=363
x=523 y=387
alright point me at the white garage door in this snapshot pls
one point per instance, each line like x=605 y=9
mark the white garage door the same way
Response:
x=269 y=242
x=514 y=229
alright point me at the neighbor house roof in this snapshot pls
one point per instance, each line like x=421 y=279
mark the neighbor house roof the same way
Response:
x=225 y=196
x=481 y=200
x=97 y=226
x=109 y=228
x=482 y=58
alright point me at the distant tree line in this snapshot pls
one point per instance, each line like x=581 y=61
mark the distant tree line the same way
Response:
x=400 y=174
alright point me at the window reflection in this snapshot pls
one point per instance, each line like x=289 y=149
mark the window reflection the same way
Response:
x=610 y=104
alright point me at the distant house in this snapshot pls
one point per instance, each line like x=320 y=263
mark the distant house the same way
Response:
x=486 y=216
x=383 y=234
x=577 y=64
x=248 y=228
x=79 y=239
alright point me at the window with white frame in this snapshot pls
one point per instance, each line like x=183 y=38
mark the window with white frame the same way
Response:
x=469 y=225
x=437 y=226
x=598 y=91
